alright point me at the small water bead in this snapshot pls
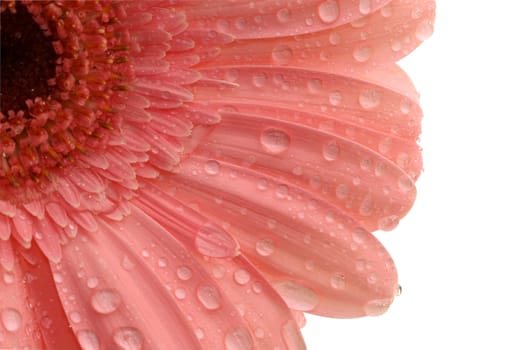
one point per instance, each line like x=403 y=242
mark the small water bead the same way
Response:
x=297 y=296
x=362 y=54
x=58 y=277
x=106 y=301
x=377 y=307
x=209 y=297
x=239 y=339
x=314 y=86
x=128 y=338
x=88 y=340
x=342 y=191
x=180 y=293
x=8 y=277
x=11 y=319
x=282 y=191
x=424 y=30
x=387 y=11
x=212 y=167
x=259 y=332
x=242 y=276
x=265 y=247
x=257 y=287
x=309 y=265
x=218 y=271
x=331 y=151
x=162 y=262
x=335 y=98
x=199 y=333
x=75 y=317
x=92 y=282
x=388 y=223
x=282 y=54
x=335 y=38
x=365 y=7
x=329 y=11
x=372 y=278
x=126 y=263
x=259 y=79
x=396 y=45
x=262 y=184
x=405 y=106
x=184 y=273
x=370 y=98
x=338 y=281
x=274 y=141
x=283 y=15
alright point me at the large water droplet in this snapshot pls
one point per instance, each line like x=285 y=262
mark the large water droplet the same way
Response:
x=274 y=141
x=331 y=151
x=88 y=340
x=297 y=296
x=282 y=54
x=369 y=98
x=424 y=30
x=11 y=319
x=105 y=301
x=128 y=338
x=209 y=297
x=329 y=11
x=265 y=247
x=239 y=339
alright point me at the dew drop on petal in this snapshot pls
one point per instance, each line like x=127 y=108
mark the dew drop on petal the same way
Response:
x=11 y=319
x=331 y=151
x=180 y=293
x=239 y=339
x=209 y=297
x=265 y=247
x=424 y=30
x=184 y=273
x=369 y=98
x=242 y=276
x=75 y=317
x=274 y=141
x=314 y=86
x=128 y=338
x=105 y=301
x=365 y=7
x=335 y=98
x=388 y=223
x=212 y=167
x=282 y=54
x=377 y=307
x=88 y=340
x=283 y=15
x=297 y=296
x=329 y=11
x=338 y=281
x=362 y=54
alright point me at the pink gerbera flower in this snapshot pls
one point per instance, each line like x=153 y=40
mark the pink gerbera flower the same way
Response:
x=196 y=174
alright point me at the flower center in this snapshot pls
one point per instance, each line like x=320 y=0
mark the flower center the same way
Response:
x=28 y=60
x=62 y=64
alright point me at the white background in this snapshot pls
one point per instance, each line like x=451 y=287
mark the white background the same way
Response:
x=461 y=252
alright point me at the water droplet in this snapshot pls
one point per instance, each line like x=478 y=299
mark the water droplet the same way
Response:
x=274 y=141
x=209 y=297
x=365 y=7
x=335 y=98
x=342 y=191
x=259 y=332
x=242 y=276
x=370 y=98
x=282 y=54
x=388 y=223
x=218 y=271
x=309 y=265
x=283 y=15
x=128 y=338
x=396 y=45
x=424 y=30
x=362 y=54
x=180 y=293
x=11 y=319
x=405 y=183
x=331 y=151
x=105 y=301
x=329 y=11
x=184 y=273
x=265 y=247
x=314 y=86
x=282 y=191
x=335 y=38
x=377 y=307
x=238 y=339
x=88 y=340
x=92 y=282
x=199 y=333
x=387 y=10
x=75 y=317
x=214 y=241
x=259 y=79
x=359 y=235
x=212 y=167
x=338 y=281
x=257 y=287
x=162 y=262
x=297 y=296
x=405 y=106
x=399 y=290
x=372 y=278
x=58 y=277
x=127 y=264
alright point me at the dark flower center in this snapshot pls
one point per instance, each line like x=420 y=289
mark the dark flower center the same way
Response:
x=28 y=60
